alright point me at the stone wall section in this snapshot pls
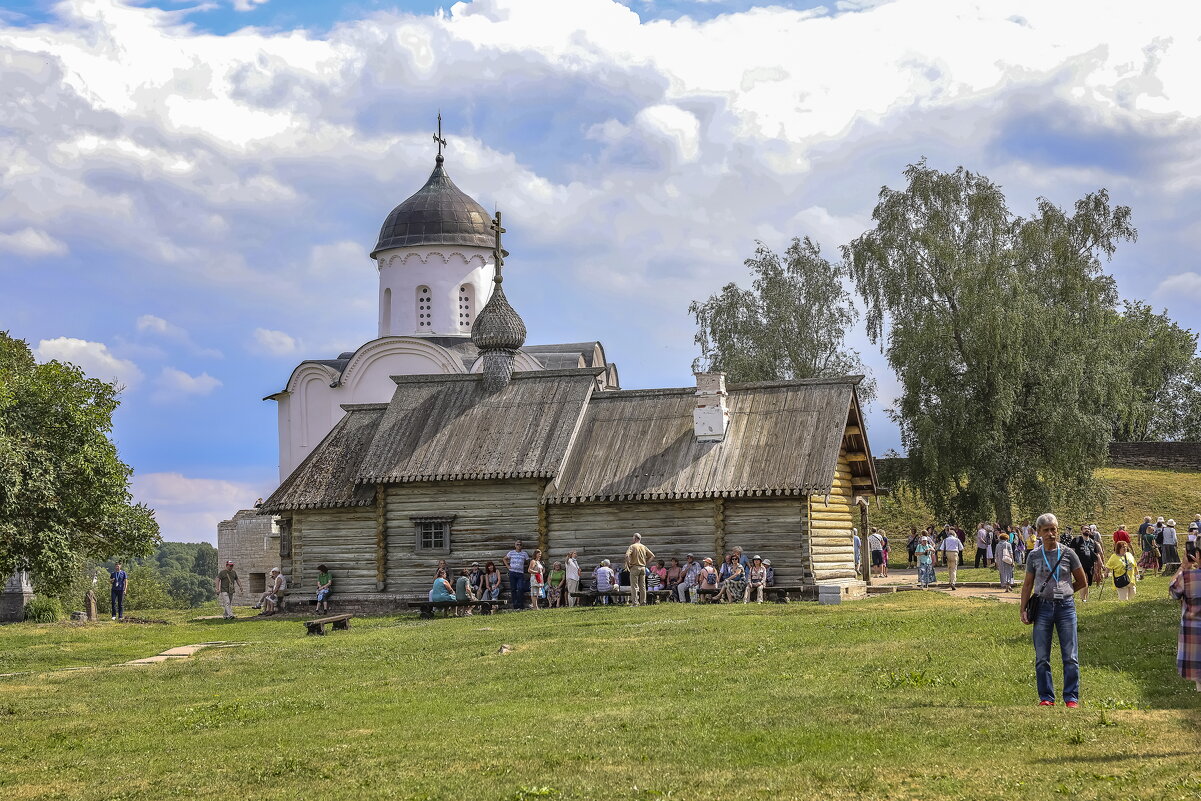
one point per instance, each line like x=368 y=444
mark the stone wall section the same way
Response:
x=252 y=541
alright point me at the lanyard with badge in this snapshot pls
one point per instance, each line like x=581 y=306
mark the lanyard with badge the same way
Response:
x=1059 y=594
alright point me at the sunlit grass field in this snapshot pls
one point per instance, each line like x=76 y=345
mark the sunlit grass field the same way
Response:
x=906 y=696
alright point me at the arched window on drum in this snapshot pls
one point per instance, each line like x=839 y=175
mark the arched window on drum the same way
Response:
x=466 y=307
x=424 y=310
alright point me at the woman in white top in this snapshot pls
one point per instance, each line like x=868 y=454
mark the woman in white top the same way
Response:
x=535 y=569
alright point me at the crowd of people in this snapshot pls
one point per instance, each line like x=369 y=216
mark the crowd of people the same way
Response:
x=533 y=584
x=1004 y=547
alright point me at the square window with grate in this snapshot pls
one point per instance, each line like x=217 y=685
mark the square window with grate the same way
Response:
x=432 y=534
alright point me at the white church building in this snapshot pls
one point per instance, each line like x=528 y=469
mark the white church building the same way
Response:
x=434 y=256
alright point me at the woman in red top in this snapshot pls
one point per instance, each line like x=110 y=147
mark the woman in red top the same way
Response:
x=1121 y=535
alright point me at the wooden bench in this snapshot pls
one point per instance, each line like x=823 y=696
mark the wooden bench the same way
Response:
x=427 y=607
x=339 y=622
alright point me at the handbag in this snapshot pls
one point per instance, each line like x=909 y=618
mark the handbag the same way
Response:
x=1035 y=601
x=1007 y=559
x=1124 y=579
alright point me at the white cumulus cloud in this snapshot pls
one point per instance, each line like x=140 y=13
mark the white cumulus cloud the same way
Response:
x=188 y=509
x=155 y=325
x=1182 y=285
x=32 y=242
x=94 y=358
x=275 y=343
x=172 y=384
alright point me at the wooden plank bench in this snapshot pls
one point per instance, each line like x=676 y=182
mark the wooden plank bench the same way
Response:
x=339 y=622
x=427 y=607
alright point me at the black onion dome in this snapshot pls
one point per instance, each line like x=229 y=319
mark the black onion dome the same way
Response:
x=497 y=326
x=439 y=213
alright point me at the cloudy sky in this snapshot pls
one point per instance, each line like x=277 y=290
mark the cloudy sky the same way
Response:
x=189 y=190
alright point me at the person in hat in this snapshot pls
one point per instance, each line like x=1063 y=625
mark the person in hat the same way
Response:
x=1190 y=545
x=274 y=594
x=690 y=580
x=756 y=580
x=227 y=582
x=771 y=573
x=1171 y=557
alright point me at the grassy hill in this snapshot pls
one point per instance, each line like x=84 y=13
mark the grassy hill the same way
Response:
x=914 y=695
x=1132 y=494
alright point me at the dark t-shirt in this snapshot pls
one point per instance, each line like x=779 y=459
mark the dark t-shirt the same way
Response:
x=226 y=579
x=119 y=579
x=1041 y=562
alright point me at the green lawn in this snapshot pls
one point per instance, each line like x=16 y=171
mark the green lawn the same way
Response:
x=913 y=695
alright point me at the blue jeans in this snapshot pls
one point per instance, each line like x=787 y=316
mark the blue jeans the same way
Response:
x=1060 y=616
x=491 y=595
x=518 y=589
x=117 y=602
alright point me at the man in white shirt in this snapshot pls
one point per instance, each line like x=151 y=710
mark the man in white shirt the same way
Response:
x=573 y=578
x=982 y=537
x=606 y=579
x=951 y=547
x=875 y=544
x=515 y=561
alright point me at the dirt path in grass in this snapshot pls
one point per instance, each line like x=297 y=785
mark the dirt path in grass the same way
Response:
x=170 y=655
x=904 y=577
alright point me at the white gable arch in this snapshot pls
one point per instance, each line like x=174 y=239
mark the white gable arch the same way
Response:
x=368 y=376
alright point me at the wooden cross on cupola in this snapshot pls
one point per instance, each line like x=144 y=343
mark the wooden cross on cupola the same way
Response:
x=498 y=252
x=438 y=137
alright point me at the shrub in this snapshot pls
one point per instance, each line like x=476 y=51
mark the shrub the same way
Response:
x=43 y=610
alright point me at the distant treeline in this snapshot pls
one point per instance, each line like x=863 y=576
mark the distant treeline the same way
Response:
x=178 y=575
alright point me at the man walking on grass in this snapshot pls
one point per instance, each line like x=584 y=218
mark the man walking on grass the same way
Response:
x=951 y=547
x=637 y=556
x=227 y=581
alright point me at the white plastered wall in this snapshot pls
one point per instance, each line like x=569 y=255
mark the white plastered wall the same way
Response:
x=445 y=271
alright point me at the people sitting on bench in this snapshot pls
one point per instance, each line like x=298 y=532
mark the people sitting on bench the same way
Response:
x=463 y=591
x=272 y=597
x=606 y=580
x=442 y=591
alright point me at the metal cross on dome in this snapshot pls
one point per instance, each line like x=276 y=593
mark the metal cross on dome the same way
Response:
x=438 y=136
x=498 y=253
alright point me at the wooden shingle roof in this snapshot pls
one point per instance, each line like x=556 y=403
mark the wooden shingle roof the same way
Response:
x=449 y=427
x=327 y=476
x=783 y=439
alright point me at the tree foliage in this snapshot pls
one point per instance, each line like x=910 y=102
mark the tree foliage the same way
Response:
x=64 y=493
x=790 y=324
x=1004 y=333
x=1165 y=378
x=204 y=563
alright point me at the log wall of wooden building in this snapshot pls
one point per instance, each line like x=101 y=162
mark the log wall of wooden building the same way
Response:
x=604 y=530
x=489 y=515
x=774 y=528
x=831 y=543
